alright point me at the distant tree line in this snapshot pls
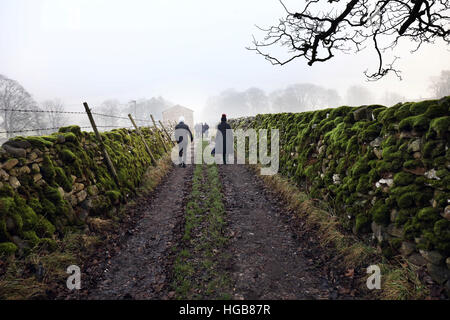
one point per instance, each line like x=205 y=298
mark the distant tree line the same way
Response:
x=441 y=84
x=304 y=97
x=139 y=109
x=234 y=103
x=14 y=98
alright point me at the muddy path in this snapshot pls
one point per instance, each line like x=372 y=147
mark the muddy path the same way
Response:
x=270 y=259
x=264 y=253
x=141 y=267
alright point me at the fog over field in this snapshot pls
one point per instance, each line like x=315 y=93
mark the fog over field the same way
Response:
x=191 y=53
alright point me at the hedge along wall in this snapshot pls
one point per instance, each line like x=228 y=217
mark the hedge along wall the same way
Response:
x=49 y=185
x=386 y=171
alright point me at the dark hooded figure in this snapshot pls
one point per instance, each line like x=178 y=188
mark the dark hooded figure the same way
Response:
x=224 y=139
x=205 y=130
x=182 y=133
x=198 y=129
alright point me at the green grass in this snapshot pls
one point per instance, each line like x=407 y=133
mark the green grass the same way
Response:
x=74 y=248
x=16 y=284
x=400 y=280
x=204 y=241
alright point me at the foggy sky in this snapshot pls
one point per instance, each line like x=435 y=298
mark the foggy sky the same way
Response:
x=186 y=51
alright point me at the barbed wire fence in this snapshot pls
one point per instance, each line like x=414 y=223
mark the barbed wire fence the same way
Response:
x=85 y=120
x=105 y=122
x=89 y=121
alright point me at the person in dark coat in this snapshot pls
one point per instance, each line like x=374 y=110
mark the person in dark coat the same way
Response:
x=198 y=129
x=182 y=133
x=205 y=130
x=224 y=139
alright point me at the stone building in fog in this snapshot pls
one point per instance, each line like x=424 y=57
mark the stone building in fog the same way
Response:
x=172 y=115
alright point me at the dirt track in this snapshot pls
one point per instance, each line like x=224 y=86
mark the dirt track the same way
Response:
x=140 y=269
x=266 y=255
x=269 y=259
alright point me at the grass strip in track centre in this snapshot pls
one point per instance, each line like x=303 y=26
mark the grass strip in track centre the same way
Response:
x=199 y=268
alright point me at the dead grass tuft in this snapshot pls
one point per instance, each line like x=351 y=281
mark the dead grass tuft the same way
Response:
x=154 y=175
x=400 y=280
x=19 y=282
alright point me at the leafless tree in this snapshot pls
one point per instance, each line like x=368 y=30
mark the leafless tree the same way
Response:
x=230 y=101
x=294 y=98
x=155 y=106
x=13 y=97
x=144 y=107
x=302 y=97
x=256 y=100
x=322 y=28
x=391 y=98
x=441 y=84
x=55 y=118
x=111 y=108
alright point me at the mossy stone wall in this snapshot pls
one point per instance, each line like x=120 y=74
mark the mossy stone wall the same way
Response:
x=384 y=170
x=52 y=184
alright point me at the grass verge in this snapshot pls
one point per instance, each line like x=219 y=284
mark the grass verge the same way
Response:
x=42 y=273
x=399 y=278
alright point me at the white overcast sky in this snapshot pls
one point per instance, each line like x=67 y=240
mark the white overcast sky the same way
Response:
x=184 y=50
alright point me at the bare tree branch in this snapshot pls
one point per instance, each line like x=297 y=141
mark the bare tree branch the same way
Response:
x=14 y=97
x=325 y=27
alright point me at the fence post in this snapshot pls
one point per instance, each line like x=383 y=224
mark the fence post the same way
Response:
x=167 y=134
x=143 y=139
x=109 y=163
x=158 y=133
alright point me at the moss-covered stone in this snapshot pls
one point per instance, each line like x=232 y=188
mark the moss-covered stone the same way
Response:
x=48 y=170
x=441 y=125
x=44 y=228
x=428 y=214
x=366 y=147
x=31 y=238
x=418 y=123
x=38 y=142
x=70 y=137
x=63 y=180
x=360 y=167
x=113 y=195
x=436 y=110
x=380 y=213
x=37 y=212
x=404 y=178
x=7 y=248
x=67 y=156
x=362 y=223
x=73 y=129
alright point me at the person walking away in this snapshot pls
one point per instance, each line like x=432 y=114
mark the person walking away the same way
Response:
x=198 y=129
x=182 y=133
x=224 y=139
x=205 y=130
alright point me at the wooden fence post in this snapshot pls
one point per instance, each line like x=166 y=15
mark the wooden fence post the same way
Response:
x=158 y=133
x=109 y=162
x=167 y=134
x=143 y=139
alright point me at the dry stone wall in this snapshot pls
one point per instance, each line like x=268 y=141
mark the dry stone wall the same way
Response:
x=385 y=170
x=53 y=184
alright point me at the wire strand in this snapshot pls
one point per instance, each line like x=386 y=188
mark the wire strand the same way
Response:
x=42 y=111
x=116 y=117
x=65 y=112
